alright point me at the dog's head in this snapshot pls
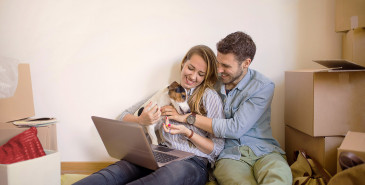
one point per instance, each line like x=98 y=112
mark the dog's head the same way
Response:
x=178 y=96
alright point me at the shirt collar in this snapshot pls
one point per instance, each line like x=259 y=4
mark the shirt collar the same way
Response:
x=190 y=92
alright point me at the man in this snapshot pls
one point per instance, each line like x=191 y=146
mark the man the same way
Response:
x=251 y=155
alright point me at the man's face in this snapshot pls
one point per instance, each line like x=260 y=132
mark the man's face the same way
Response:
x=229 y=69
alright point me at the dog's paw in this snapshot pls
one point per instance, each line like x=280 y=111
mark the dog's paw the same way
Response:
x=140 y=111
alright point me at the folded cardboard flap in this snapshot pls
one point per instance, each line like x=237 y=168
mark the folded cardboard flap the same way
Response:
x=340 y=64
x=21 y=104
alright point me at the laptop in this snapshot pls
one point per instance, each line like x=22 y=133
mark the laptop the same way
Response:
x=128 y=141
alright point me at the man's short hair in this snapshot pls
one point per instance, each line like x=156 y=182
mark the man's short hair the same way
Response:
x=238 y=43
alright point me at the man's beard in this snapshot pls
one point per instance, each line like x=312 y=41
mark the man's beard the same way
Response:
x=232 y=77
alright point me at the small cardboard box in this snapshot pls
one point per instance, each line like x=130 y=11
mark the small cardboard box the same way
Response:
x=325 y=102
x=21 y=104
x=353 y=46
x=40 y=171
x=350 y=14
x=322 y=149
x=354 y=142
x=47 y=135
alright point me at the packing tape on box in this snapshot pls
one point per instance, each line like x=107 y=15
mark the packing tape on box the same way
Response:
x=8 y=77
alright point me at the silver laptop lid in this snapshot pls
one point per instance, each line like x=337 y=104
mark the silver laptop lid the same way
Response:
x=124 y=140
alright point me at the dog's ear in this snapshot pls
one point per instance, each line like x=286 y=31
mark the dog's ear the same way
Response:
x=173 y=85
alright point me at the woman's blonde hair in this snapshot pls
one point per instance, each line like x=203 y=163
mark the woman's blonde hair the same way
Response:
x=211 y=76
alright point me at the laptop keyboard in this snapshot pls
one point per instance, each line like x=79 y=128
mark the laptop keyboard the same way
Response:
x=162 y=157
x=163 y=149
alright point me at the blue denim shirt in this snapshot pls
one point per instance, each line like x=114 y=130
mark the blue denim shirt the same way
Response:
x=247 y=108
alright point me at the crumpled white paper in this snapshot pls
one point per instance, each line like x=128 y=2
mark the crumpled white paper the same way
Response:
x=8 y=76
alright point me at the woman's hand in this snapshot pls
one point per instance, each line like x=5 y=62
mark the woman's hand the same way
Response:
x=171 y=113
x=175 y=129
x=149 y=117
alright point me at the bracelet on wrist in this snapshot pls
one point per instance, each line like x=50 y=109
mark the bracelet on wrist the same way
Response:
x=191 y=135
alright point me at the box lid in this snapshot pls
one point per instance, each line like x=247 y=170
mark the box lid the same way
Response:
x=340 y=64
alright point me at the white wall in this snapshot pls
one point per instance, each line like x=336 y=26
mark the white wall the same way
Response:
x=95 y=57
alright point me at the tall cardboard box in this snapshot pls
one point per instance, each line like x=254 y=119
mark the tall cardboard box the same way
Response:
x=353 y=46
x=322 y=149
x=325 y=102
x=21 y=104
x=354 y=142
x=45 y=170
x=350 y=14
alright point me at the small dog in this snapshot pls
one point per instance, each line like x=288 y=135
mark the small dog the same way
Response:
x=174 y=94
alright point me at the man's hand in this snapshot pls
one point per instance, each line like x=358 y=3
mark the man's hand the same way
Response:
x=171 y=113
x=149 y=116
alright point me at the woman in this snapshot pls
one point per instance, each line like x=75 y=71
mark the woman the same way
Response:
x=198 y=76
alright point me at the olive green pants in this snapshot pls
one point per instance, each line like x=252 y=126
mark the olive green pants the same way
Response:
x=250 y=169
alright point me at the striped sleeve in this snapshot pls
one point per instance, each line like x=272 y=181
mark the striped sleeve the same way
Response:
x=214 y=107
x=131 y=110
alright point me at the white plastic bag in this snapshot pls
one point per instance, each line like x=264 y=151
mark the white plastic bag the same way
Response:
x=8 y=77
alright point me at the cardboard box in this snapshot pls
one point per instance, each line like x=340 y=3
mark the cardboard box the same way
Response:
x=47 y=135
x=322 y=149
x=354 y=142
x=350 y=14
x=21 y=104
x=40 y=171
x=325 y=102
x=353 y=46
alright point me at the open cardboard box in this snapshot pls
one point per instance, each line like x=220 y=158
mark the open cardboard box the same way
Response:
x=40 y=171
x=326 y=102
x=354 y=142
x=47 y=135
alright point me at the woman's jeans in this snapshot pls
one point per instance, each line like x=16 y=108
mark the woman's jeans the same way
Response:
x=190 y=171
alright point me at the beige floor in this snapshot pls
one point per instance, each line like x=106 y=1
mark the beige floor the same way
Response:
x=68 y=179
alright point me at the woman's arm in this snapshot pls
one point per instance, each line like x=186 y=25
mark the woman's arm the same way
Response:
x=147 y=116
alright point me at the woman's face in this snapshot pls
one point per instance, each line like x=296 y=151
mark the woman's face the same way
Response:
x=193 y=72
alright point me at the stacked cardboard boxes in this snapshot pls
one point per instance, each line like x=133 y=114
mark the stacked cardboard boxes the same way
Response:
x=322 y=105
x=42 y=170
